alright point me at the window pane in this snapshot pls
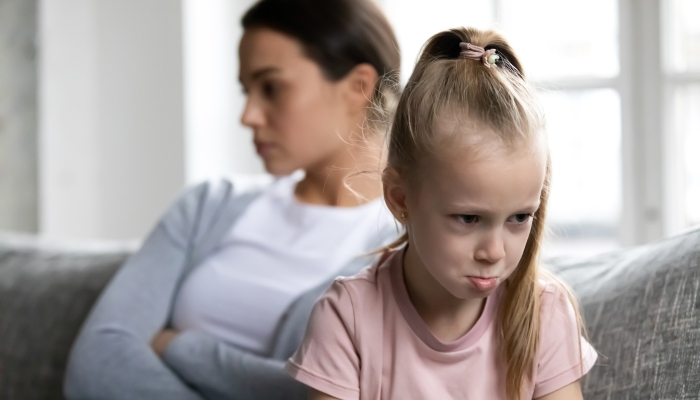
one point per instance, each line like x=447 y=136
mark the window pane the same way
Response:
x=683 y=29
x=416 y=21
x=687 y=121
x=584 y=137
x=559 y=39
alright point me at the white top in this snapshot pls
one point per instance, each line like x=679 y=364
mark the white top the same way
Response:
x=278 y=249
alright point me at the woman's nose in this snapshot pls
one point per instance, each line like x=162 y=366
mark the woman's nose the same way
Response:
x=491 y=248
x=253 y=116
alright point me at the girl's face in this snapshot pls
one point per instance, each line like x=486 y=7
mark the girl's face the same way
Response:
x=299 y=118
x=470 y=213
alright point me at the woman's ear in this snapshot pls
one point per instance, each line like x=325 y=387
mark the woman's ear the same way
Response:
x=394 y=193
x=360 y=82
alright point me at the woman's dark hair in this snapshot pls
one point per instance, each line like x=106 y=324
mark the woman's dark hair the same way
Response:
x=338 y=35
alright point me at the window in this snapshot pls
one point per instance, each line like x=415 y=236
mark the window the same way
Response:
x=415 y=21
x=584 y=138
x=575 y=69
x=623 y=116
x=686 y=104
x=682 y=68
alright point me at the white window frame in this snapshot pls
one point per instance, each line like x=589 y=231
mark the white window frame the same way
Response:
x=675 y=212
x=652 y=205
x=652 y=170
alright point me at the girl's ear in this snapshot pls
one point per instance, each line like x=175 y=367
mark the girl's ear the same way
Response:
x=394 y=193
x=360 y=82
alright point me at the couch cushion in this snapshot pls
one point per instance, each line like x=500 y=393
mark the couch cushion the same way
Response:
x=46 y=292
x=642 y=310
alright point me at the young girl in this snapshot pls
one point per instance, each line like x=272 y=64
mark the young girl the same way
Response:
x=462 y=310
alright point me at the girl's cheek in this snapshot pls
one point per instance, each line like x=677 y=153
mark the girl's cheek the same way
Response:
x=514 y=251
x=517 y=257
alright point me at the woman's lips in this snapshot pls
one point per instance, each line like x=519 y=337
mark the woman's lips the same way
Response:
x=483 y=284
x=263 y=148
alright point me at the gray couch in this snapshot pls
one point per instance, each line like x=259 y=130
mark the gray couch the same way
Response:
x=642 y=309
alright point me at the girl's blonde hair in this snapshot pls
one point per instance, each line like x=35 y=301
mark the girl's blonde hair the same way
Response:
x=499 y=99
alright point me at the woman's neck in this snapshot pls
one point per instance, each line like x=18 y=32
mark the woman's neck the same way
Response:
x=448 y=317
x=346 y=179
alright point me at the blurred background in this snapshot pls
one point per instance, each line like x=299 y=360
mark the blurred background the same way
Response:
x=109 y=108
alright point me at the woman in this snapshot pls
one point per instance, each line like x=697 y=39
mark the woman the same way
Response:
x=218 y=296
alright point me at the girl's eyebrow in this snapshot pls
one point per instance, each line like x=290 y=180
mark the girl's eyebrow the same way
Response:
x=478 y=209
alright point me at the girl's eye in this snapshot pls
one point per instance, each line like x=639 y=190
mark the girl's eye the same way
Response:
x=467 y=219
x=521 y=218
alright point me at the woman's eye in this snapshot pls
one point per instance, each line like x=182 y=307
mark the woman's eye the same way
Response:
x=467 y=219
x=270 y=89
x=521 y=218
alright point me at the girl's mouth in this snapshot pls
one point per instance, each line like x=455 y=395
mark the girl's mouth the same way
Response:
x=483 y=284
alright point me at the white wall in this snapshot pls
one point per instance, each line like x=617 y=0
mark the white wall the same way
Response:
x=18 y=116
x=216 y=143
x=111 y=115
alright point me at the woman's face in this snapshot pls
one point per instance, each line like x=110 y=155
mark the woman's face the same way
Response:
x=300 y=119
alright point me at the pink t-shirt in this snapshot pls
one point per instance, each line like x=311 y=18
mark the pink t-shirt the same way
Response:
x=365 y=340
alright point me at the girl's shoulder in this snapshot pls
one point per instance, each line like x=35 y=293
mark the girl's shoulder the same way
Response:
x=556 y=298
x=551 y=288
x=370 y=279
x=344 y=323
x=361 y=293
x=564 y=355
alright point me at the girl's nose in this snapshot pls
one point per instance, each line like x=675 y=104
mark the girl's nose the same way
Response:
x=253 y=116
x=491 y=249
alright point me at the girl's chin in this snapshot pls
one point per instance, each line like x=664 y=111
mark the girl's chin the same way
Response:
x=469 y=293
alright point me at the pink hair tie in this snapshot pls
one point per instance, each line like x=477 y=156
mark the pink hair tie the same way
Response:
x=488 y=57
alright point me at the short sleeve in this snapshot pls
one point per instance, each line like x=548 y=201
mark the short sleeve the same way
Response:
x=327 y=359
x=563 y=356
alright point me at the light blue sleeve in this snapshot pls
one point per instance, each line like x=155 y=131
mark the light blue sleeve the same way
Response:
x=222 y=372
x=111 y=357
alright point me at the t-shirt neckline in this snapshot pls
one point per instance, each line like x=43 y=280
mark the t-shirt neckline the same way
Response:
x=419 y=326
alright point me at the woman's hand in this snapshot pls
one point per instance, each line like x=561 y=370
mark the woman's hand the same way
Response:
x=162 y=340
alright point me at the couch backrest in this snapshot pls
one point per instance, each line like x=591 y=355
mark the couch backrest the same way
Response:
x=45 y=294
x=642 y=310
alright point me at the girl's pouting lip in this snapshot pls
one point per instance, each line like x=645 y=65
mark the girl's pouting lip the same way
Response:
x=483 y=284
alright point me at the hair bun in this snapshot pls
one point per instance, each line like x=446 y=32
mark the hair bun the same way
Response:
x=444 y=45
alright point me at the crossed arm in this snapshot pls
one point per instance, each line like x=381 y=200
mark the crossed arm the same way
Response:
x=113 y=356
